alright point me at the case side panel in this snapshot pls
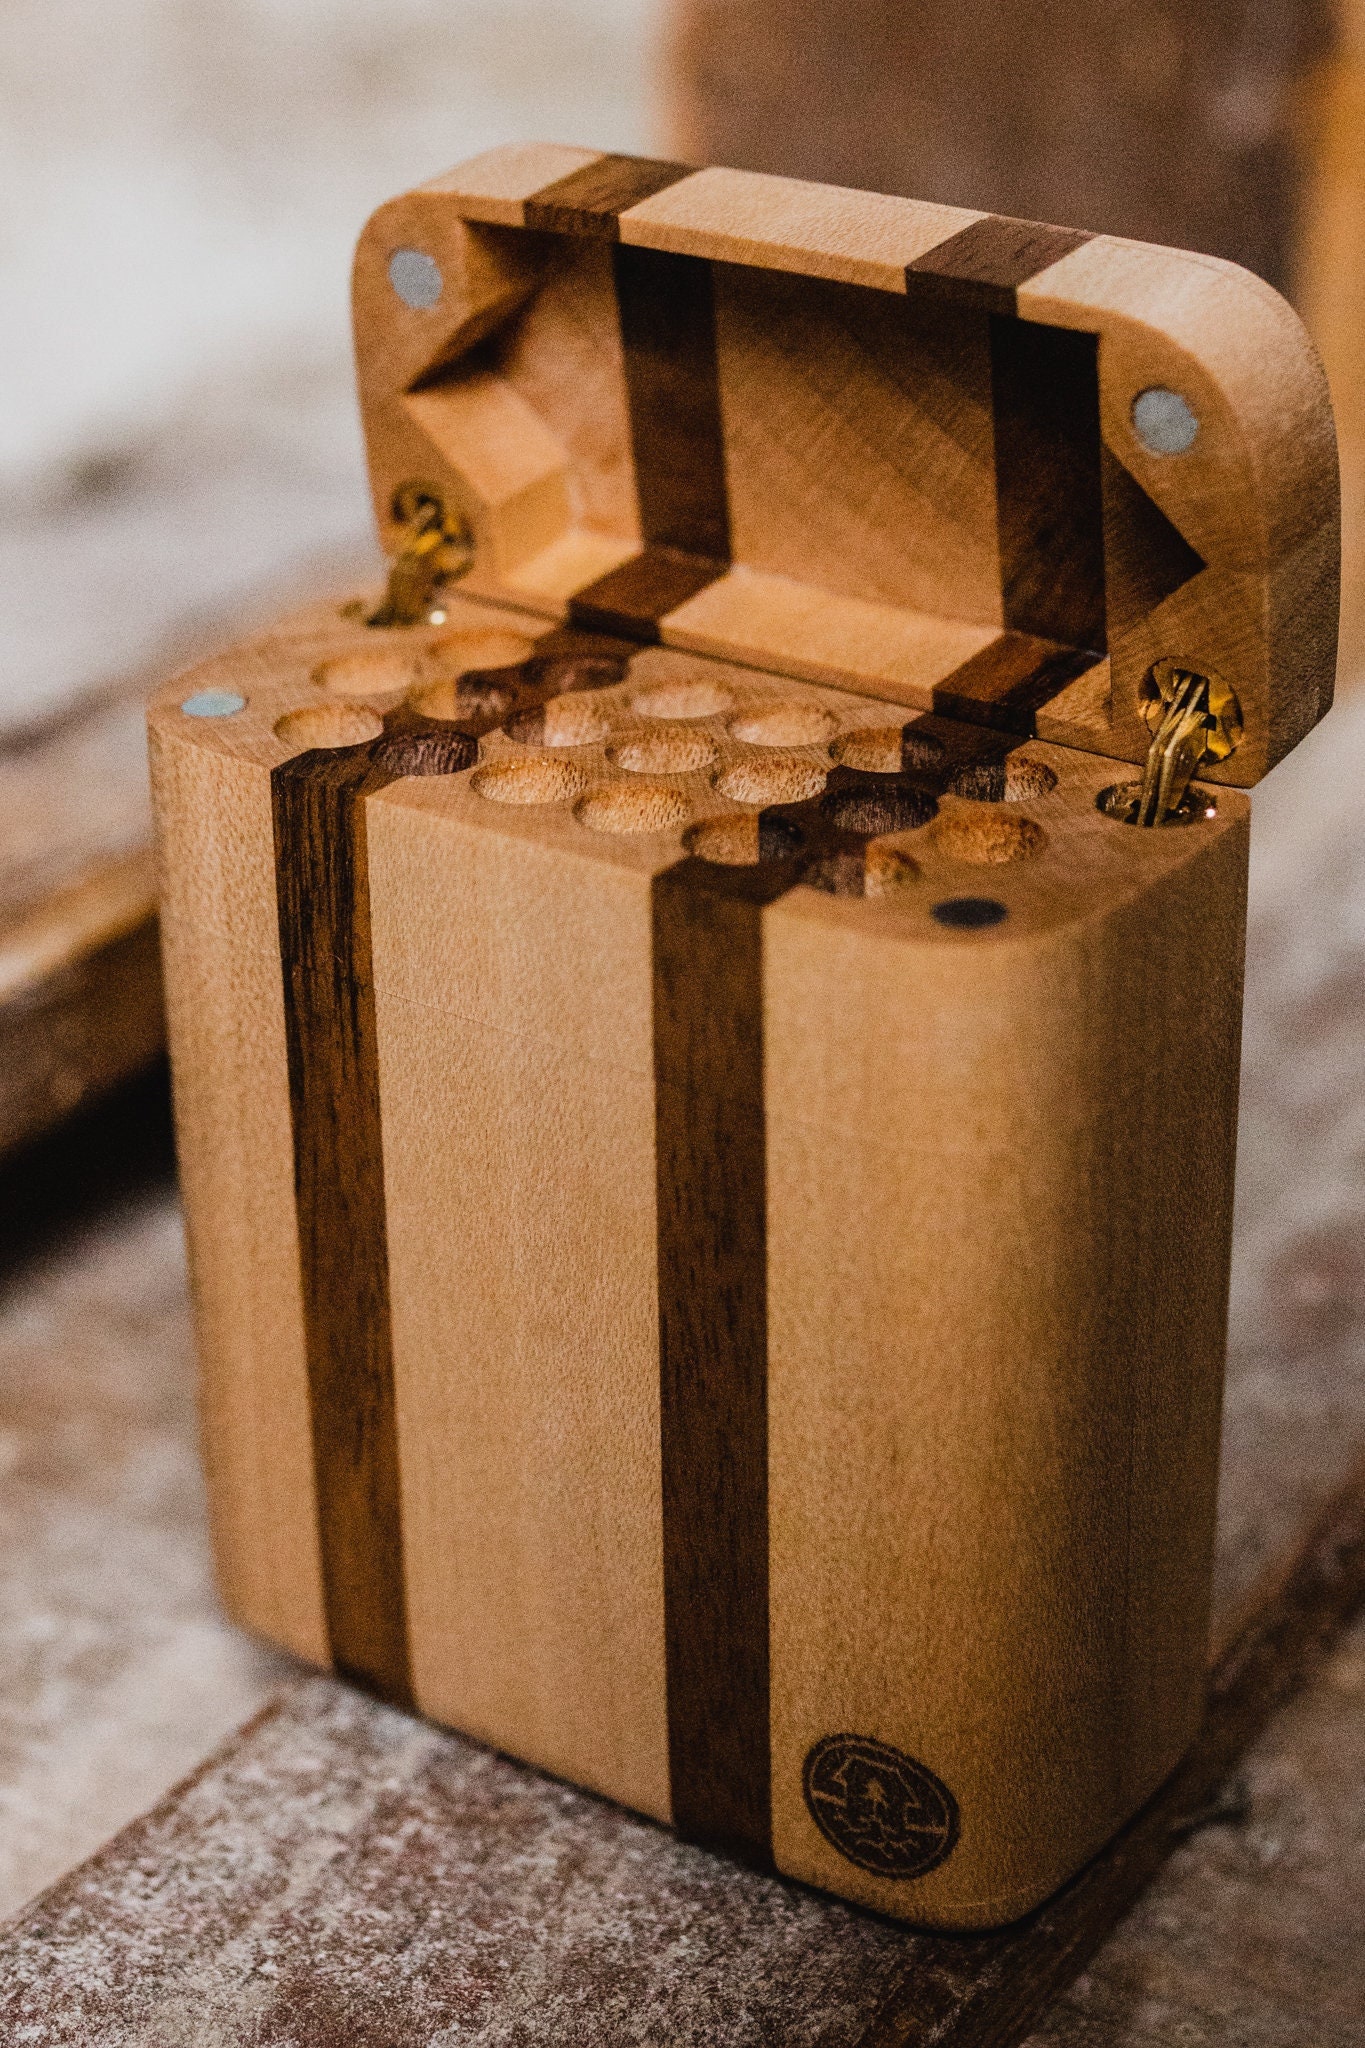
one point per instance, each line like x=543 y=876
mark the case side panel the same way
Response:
x=513 y=1009
x=225 y=1009
x=1000 y=1178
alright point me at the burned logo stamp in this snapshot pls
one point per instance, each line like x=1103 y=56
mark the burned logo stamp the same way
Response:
x=880 y=1808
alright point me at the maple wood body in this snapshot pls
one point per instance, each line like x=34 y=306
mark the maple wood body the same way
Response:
x=708 y=1144
x=998 y=1179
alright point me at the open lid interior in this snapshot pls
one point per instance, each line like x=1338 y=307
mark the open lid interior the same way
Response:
x=976 y=466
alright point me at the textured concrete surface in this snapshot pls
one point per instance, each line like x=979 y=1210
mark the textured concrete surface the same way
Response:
x=1254 y=1936
x=116 y=1672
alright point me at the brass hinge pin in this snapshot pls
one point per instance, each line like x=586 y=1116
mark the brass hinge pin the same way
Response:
x=437 y=547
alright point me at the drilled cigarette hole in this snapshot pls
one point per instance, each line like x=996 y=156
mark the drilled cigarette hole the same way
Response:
x=876 y=750
x=784 y=725
x=531 y=779
x=1120 y=801
x=986 y=838
x=887 y=870
x=969 y=913
x=633 y=807
x=876 y=810
x=328 y=725
x=472 y=696
x=1009 y=781
x=771 y=779
x=572 y=720
x=1025 y=779
x=664 y=753
x=455 y=654
x=839 y=873
x=778 y=838
x=728 y=842
x=682 y=700
x=372 y=673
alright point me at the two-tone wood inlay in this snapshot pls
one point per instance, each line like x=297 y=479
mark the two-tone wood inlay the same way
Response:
x=322 y=881
x=324 y=923
x=984 y=265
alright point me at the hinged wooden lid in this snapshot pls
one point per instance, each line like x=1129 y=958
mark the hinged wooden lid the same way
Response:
x=970 y=464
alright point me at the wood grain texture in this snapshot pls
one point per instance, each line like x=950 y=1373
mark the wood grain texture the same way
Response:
x=523 y=1272
x=979 y=1341
x=668 y=339
x=225 y=1010
x=80 y=997
x=984 y=264
x=851 y=394
x=1049 y=510
x=910 y=1517
x=322 y=872
x=581 y=1592
x=590 y=200
x=284 y=1857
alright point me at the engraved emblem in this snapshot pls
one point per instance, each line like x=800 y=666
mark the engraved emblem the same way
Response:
x=880 y=1809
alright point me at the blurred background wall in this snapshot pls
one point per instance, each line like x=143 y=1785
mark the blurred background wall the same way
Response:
x=183 y=184
x=184 y=180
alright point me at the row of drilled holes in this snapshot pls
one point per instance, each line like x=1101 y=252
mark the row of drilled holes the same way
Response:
x=643 y=805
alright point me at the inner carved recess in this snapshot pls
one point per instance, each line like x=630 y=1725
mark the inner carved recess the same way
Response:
x=530 y=779
x=328 y=725
x=986 y=838
x=637 y=806
x=663 y=752
x=771 y=779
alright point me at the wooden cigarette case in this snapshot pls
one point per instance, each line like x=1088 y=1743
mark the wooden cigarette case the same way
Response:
x=705 y=1015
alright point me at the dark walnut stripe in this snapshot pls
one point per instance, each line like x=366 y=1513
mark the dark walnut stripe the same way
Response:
x=1045 y=398
x=590 y=201
x=668 y=337
x=633 y=599
x=710 y=1136
x=713 y=1349
x=324 y=922
x=985 y=264
x=1007 y=684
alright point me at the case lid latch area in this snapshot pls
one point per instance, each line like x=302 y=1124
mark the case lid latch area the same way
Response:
x=1194 y=718
x=436 y=547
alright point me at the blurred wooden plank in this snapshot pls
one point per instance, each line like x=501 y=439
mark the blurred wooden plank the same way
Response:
x=80 y=996
x=80 y=978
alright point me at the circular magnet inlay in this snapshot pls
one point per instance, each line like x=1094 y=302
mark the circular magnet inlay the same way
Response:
x=1163 y=422
x=213 y=704
x=416 y=277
